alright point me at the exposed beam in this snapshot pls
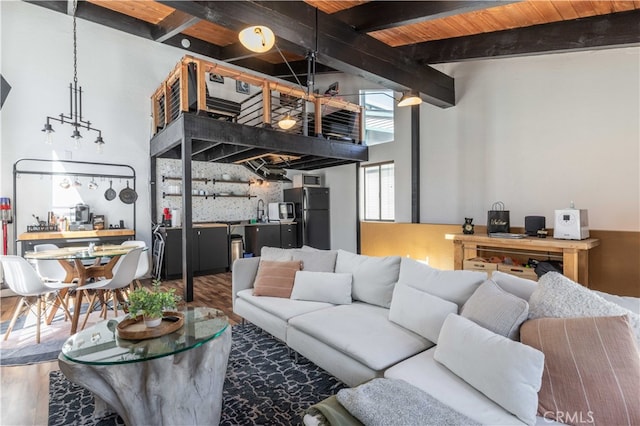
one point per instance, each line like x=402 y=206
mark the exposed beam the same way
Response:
x=381 y=15
x=603 y=31
x=196 y=45
x=172 y=25
x=339 y=46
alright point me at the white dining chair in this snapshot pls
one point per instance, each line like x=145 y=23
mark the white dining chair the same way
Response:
x=143 y=263
x=23 y=280
x=51 y=270
x=122 y=277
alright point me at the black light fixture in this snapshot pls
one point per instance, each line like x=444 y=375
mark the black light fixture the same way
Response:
x=75 y=103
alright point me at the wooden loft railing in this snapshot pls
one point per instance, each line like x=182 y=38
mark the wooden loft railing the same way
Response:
x=185 y=89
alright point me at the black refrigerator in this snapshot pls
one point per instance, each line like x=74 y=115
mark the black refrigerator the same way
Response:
x=312 y=216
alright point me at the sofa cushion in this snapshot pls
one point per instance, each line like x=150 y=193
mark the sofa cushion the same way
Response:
x=373 y=277
x=591 y=369
x=275 y=254
x=424 y=372
x=275 y=278
x=363 y=332
x=454 y=286
x=507 y=372
x=316 y=260
x=420 y=312
x=496 y=310
x=281 y=307
x=559 y=297
x=327 y=287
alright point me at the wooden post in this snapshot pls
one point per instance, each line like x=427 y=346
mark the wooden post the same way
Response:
x=266 y=105
x=318 y=115
x=184 y=85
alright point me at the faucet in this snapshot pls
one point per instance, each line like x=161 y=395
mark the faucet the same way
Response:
x=260 y=211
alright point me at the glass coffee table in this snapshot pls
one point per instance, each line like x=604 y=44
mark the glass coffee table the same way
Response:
x=172 y=379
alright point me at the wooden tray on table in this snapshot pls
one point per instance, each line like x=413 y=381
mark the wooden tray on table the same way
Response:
x=134 y=328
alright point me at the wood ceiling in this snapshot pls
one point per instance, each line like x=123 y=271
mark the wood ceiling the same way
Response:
x=392 y=43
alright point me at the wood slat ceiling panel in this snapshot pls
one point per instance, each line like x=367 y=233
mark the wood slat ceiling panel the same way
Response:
x=148 y=11
x=212 y=33
x=515 y=15
x=332 y=6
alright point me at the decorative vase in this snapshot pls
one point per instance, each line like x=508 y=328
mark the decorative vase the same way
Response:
x=152 y=322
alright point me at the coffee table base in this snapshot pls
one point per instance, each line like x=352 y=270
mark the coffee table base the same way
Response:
x=185 y=388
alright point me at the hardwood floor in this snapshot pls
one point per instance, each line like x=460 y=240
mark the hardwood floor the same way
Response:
x=24 y=390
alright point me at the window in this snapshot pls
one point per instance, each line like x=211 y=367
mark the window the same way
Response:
x=378 y=192
x=378 y=115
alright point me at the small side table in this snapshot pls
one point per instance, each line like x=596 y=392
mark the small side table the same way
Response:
x=169 y=380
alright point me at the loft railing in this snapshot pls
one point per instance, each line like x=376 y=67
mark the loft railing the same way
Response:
x=185 y=89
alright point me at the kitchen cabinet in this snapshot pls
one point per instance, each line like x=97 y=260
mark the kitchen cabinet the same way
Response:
x=210 y=251
x=288 y=235
x=258 y=236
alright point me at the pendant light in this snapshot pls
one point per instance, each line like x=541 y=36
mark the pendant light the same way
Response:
x=409 y=98
x=75 y=103
x=258 y=38
x=287 y=122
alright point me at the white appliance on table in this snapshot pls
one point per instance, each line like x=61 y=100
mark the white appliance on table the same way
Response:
x=571 y=224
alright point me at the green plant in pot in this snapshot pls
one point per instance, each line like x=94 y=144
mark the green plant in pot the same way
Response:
x=151 y=303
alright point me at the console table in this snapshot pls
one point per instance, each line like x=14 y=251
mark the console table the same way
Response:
x=174 y=379
x=575 y=253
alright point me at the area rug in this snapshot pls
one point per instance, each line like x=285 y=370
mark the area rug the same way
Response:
x=21 y=347
x=264 y=386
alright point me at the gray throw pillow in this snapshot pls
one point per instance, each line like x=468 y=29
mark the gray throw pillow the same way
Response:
x=496 y=310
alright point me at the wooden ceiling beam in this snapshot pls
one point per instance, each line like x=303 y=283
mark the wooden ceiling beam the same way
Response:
x=173 y=25
x=602 y=31
x=382 y=15
x=339 y=46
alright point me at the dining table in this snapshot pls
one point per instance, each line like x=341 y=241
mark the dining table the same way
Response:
x=81 y=263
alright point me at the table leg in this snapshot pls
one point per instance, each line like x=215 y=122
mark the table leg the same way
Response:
x=71 y=275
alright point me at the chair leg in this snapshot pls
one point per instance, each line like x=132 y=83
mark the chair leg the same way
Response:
x=92 y=300
x=16 y=314
x=40 y=301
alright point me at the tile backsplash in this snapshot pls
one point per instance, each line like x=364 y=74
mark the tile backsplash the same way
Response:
x=219 y=209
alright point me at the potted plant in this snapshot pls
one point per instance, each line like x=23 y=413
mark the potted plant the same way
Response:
x=151 y=303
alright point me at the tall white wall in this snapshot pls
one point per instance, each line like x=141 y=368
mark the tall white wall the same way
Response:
x=118 y=73
x=534 y=132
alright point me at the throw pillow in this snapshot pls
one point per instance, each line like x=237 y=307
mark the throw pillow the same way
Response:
x=496 y=310
x=454 y=286
x=420 y=312
x=316 y=260
x=322 y=287
x=507 y=372
x=373 y=277
x=591 y=369
x=275 y=278
x=275 y=253
x=521 y=287
x=559 y=297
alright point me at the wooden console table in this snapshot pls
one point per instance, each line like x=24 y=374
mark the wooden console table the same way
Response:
x=575 y=254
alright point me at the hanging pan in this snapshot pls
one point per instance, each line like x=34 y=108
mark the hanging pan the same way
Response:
x=110 y=193
x=128 y=195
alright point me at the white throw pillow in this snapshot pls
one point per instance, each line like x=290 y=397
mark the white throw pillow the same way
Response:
x=496 y=309
x=316 y=260
x=276 y=254
x=454 y=286
x=507 y=372
x=322 y=287
x=559 y=297
x=373 y=277
x=420 y=312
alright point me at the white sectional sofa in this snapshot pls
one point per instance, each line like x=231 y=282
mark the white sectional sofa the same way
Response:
x=390 y=321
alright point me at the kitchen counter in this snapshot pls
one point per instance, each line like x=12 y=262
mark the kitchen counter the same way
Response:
x=230 y=223
x=30 y=236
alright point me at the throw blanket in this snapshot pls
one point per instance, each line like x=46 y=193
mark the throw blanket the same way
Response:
x=386 y=402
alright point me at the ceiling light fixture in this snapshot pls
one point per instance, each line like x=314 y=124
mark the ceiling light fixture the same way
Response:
x=258 y=38
x=409 y=99
x=287 y=122
x=75 y=103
